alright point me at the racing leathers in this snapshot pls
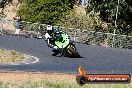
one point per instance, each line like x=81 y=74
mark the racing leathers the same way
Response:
x=50 y=39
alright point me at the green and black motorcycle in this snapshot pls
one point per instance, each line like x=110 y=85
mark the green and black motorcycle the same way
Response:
x=66 y=46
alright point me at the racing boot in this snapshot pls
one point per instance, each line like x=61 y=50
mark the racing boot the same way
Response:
x=55 y=52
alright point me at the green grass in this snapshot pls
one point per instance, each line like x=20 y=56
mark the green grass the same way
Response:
x=58 y=84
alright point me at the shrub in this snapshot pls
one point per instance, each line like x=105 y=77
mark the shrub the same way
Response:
x=43 y=11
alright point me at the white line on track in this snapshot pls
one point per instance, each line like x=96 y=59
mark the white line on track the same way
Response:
x=36 y=59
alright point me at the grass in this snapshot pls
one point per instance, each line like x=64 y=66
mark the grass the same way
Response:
x=10 y=56
x=49 y=81
x=57 y=84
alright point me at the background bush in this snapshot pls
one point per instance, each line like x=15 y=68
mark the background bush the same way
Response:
x=107 y=10
x=44 y=11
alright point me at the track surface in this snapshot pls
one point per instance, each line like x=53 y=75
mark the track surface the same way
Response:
x=96 y=59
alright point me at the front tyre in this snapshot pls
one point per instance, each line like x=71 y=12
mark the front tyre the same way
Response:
x=72 y=51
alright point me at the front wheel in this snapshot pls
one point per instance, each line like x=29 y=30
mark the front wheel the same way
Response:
x=72 y=51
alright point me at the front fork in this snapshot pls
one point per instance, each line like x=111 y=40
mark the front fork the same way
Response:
x=71 y=45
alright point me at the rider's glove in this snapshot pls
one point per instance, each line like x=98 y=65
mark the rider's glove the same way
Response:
x=50 y=45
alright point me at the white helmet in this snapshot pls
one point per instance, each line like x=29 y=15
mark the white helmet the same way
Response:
x=50 y=29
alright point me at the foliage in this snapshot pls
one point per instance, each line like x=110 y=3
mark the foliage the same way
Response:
x=3 y=3
x=90 y=21
x=107 y=10
x=71 y=20
x=44 y=11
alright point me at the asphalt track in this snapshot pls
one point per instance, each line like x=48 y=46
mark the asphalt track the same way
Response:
x=96 y=59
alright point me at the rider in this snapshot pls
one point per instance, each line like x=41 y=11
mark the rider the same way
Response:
x=51 y=36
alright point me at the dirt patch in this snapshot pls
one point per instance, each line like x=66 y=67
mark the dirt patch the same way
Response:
x=10 y=12
x=14 y=76
x=36 y=80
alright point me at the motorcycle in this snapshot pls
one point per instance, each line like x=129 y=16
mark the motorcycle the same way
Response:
x=66 y=47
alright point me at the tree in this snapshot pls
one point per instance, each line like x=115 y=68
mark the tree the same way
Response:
x=44 y=11
x=107 y=9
